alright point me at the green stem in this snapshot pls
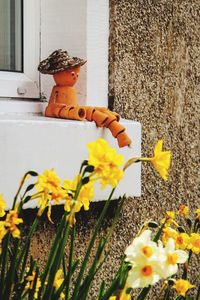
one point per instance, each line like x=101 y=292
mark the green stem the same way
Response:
x=11 y=273
x=57 y=261
x=32 y=173
x=186 y=265
x=86 y=258
x=4 y=261
x=113 y=286
x=27 y=242
x=70 y=262
x=167 y=294
x=52 y=254
x=142 y=295
x=96 y=265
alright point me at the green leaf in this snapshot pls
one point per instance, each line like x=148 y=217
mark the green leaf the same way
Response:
x=57 y=260
x=90 y=246
x=159 y=232
x=52 y=254
x=71 y=255
x=101 y=290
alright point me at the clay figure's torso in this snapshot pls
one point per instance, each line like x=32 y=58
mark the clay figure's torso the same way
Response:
x=64 y=94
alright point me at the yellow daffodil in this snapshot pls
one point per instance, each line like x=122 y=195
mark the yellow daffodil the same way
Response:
x=11 y=221
x=182 y=240
x=30 y=283
x=71 y=219
x=49 y=180
x=171 y=258
x=169 y=219
x=168 y=233
x=58 y=195
x=161 y=160
x=106 y=162
x=3 y=232
x=197 y=211
x=58 y=280
x=182 y=286
x=170 y=215
x=50 y=192
x=75 y=201
x=183 y=210
x=84 y=197
x=122 y=296
x=194 y=243
x=2 y=206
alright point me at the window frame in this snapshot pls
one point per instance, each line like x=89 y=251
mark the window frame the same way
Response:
x=26 y=84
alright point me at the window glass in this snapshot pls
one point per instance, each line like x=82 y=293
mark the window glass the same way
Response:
x=11 y=35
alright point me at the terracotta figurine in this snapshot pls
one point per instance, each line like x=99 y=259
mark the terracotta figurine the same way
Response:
x=63 y=100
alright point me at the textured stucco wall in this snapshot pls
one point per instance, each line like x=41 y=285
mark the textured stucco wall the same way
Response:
x=154 y=79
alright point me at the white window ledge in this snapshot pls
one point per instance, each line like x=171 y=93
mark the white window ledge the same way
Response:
x=38 y=143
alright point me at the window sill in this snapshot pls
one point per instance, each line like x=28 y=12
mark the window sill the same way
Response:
x=22 y=106
x=33 y=142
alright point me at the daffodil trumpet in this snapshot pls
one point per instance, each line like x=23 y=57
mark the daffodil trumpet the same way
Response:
x=161 y=160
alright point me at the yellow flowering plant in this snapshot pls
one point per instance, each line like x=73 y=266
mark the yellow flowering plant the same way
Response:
x=146 y=261
x=159 y=258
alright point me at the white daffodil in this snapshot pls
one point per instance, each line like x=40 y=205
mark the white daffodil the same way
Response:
x=143 y=274
x=171 y=258
x=143 y=254
x=141 y=248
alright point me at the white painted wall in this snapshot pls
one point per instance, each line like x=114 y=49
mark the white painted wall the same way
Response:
x=81 y=28
x=38 y=143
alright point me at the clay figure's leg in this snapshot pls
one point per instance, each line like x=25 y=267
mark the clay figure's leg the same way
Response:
x=53 y=110
x=58 y=110
x=73 y=113
x=105 y=118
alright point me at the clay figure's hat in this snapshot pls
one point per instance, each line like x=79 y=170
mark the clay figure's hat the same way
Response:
x=58 y=61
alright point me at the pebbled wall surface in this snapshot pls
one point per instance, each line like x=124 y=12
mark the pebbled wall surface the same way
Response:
x=154 y=79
